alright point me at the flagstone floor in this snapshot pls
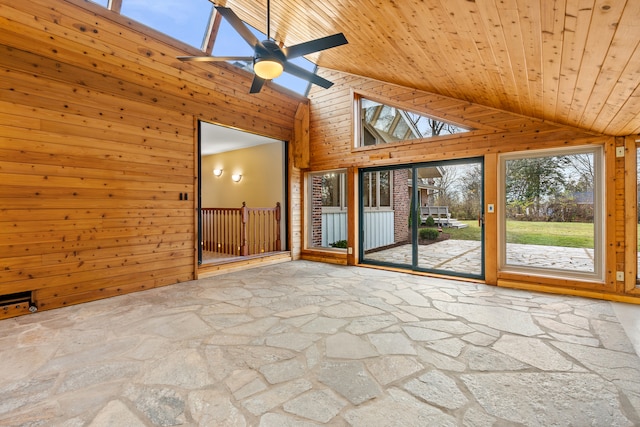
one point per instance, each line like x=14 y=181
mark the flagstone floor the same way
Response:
x=306 y=344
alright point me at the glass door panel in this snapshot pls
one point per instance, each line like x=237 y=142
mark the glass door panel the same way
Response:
x=450 y=218
x=425 y=217
x=385 y=216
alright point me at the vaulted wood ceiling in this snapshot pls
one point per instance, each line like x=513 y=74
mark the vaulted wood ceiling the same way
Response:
x=575 y=62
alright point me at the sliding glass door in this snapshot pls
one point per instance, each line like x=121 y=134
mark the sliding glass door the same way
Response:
x=424 y=217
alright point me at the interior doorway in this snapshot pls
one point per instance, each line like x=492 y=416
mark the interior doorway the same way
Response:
x=242 y=195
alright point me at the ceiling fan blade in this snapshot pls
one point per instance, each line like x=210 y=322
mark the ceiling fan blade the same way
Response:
x=214 y=58
x=307 y=75
x=315 y=45
x=239 y=26
x=257 y=84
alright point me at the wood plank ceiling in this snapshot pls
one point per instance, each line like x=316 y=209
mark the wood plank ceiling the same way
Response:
x=575 y=62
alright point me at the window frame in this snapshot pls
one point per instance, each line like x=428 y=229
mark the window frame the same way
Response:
x=308 y=208
x=342 y=182
x=358 y=143
x=378 y=207
x=599 y=233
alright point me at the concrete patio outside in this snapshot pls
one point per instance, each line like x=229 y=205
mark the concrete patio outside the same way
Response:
x=464 y=256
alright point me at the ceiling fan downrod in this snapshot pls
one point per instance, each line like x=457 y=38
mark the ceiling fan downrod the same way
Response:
x=268 y=19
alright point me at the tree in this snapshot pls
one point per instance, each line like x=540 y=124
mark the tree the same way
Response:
x=532 y=181
x=445 y=183
x=580 y=170
x=471 y=189
x=432 y=127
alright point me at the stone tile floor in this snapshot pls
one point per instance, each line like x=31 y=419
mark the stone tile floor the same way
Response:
x=304 y=344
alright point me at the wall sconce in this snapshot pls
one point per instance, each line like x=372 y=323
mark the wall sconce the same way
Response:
x=236 y=177
x=217 y=173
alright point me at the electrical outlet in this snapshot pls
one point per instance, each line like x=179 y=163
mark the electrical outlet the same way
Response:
x=620 y=276
x=490 y=208
x=350 y=250
x=619 y=151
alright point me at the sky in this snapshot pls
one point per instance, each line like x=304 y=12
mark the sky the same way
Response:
x=187 y=20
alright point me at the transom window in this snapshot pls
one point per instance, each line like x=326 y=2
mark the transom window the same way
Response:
x=382 y=124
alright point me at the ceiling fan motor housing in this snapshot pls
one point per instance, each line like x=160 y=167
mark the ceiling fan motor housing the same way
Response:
x=271 y=51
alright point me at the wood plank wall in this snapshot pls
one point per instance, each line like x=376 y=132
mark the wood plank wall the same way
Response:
x=332 y=146
x=98 y=149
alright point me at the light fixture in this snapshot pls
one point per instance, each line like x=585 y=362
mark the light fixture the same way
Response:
x=217 y=172
x=268 y=68
x=236 y=177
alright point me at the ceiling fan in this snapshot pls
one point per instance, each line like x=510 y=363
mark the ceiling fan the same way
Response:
x=269 y=59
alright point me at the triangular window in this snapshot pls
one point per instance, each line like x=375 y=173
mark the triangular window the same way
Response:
x=382 y=124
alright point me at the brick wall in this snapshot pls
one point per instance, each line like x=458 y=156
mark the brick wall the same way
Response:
x=316 y=210
x=401 y=205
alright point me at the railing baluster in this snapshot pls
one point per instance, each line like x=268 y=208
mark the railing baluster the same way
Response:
x=241 y=231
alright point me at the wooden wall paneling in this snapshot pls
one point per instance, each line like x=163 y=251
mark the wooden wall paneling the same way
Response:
x=211 y=270
x=162 y=64
x=330 y=257
x=491 y=220
x=619 y=234
x=55 y=98
x=300 y=145
x=612 y=224
x=196 y=238
x=97 y=123
x=150 y=95
x=630 y=197
x=296 y=212
x=500 y=132
x=330 y=133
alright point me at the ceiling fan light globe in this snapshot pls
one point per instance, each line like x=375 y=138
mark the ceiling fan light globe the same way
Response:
x=267 y=68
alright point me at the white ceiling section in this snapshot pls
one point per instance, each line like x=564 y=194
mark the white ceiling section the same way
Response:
x=216 y=139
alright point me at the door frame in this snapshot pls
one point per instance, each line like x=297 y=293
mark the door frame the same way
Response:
x=415 y=214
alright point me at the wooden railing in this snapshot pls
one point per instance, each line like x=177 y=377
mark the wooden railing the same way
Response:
x=241 y=231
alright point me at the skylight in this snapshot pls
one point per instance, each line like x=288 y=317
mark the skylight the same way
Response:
x=184 y=20
x=103 y=3
x=188 y=21
x=229 y=43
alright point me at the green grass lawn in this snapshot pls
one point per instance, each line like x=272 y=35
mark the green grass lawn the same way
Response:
x=565 y=234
